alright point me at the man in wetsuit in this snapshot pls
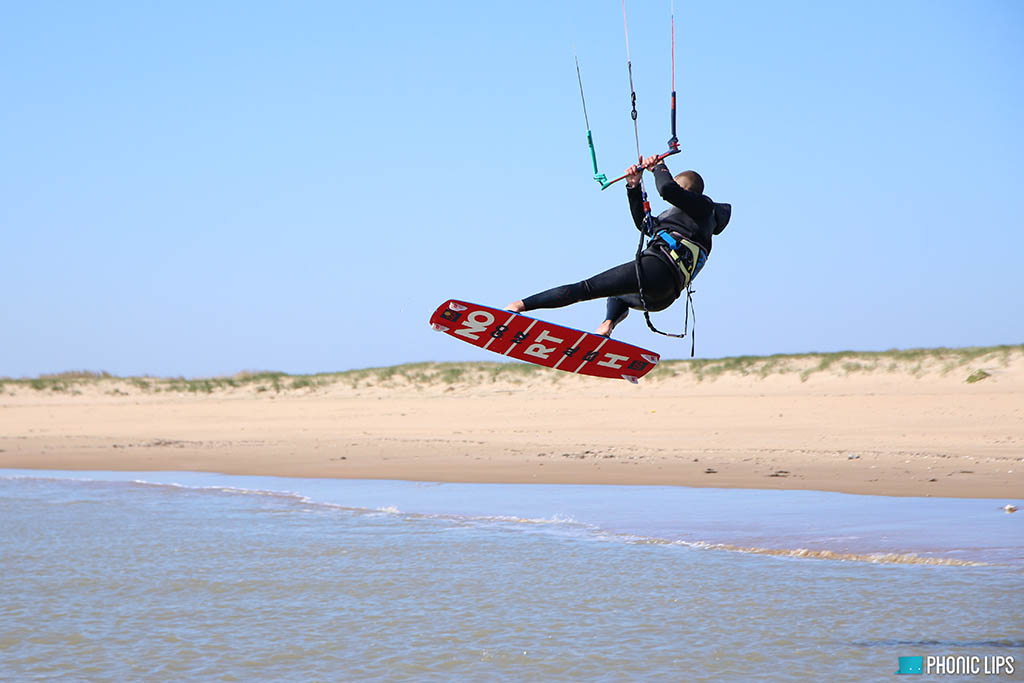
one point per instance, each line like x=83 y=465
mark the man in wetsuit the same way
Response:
x=679 y=247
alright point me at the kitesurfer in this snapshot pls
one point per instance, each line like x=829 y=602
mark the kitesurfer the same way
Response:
x=678 y=249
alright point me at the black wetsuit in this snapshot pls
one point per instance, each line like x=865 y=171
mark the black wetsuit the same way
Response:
x=692 y=215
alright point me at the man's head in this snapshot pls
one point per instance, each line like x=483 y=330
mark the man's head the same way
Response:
x=690 y=180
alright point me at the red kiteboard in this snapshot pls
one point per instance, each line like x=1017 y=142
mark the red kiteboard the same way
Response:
x=543 y=343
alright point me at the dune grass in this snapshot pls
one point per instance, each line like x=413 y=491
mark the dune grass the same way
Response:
x=915 y=362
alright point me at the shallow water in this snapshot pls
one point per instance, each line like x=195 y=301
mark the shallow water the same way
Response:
x=213 y=577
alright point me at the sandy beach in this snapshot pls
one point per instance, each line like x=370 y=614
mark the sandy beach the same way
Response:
x=934 y=423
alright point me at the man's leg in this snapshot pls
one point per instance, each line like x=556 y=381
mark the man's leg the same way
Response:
x=612 y=282
x=556 y=297
x=619 y=282
x=616 y=311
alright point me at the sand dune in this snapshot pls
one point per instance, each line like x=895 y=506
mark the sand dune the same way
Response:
x=916 y=423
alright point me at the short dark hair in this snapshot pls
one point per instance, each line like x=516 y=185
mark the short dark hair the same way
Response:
x=695 y=181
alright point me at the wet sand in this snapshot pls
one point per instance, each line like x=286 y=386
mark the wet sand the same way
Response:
x=921 y=431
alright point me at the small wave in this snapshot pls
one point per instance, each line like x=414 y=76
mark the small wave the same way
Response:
x=558 y=521
x=143 y=482
x=804 y=553
x=873 y=558
x=976 y=644
x=561 y=520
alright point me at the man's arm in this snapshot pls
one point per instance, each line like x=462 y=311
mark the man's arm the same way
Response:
x=635 y=196
x=697 y=206
x=636 y=206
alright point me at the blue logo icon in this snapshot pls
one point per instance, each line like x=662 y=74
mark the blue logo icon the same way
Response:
x=911 y=665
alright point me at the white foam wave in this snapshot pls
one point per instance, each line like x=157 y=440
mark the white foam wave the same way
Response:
x=559 y=521
x=808 y=553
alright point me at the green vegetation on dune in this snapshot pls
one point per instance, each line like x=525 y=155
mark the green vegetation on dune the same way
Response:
x=59 y=382
x=912 y=361
x=915 y=362
x=977 y=376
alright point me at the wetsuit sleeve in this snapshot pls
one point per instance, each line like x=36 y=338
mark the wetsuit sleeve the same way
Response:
x=697 y=206
x=636 y=206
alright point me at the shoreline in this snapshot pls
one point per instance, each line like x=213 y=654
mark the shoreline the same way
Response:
x=874 y=424
x=972 y=492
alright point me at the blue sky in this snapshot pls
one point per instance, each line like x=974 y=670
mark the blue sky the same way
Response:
x=200 y=188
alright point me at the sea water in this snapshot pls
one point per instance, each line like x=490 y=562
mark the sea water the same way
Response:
x=170 y=576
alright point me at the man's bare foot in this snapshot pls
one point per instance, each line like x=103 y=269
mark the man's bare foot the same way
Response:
x=605 y=328
x=516 y=306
